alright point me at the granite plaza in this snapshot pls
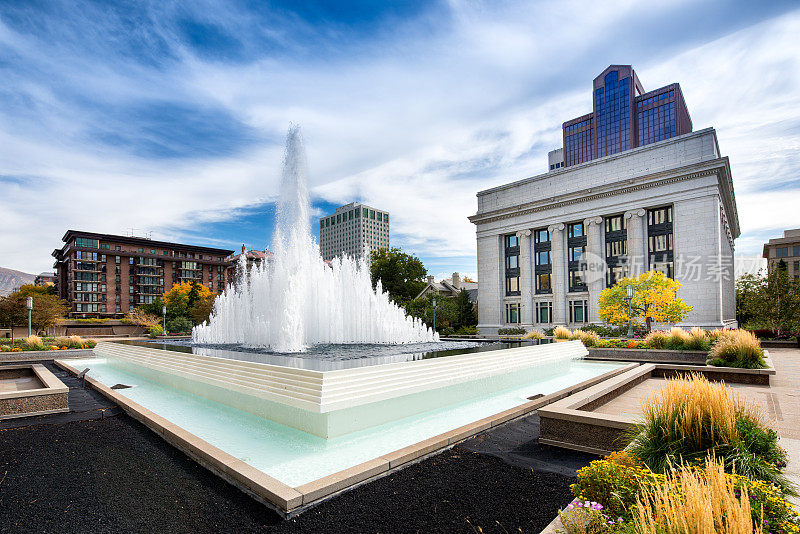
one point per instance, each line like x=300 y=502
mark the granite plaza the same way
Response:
x=632 y=189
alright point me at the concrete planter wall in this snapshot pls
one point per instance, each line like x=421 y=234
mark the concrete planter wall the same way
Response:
x=44 y=355
x=572 y=423
x=687 y=357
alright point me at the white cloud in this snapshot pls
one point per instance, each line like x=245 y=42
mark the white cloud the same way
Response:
x=415 y=123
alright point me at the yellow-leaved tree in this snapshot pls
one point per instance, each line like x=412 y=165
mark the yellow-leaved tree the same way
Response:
x=654 y=299
x=189 y=300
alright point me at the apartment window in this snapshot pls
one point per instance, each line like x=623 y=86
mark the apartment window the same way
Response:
x=116 y=260
x=117 y=247
x=659 y=240
x=543 y=268
x=544 y=312
x=511 y=247
x=796 y=251
x=104 y=246
x=578 y=311
x=85 y=242
x=512 y=313
x=781 y=252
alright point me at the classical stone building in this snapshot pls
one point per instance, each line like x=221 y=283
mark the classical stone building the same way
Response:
x=548 y=245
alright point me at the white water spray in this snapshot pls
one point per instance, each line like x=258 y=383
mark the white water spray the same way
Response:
x=296 y=299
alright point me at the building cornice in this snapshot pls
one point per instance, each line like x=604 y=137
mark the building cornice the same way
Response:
x=719 y=167
x=605 y=159
x=70 y=234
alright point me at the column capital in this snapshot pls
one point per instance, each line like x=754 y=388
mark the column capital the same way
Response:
x=524 y=233
x=593 y=220
x=558 y=227
x=635 y=213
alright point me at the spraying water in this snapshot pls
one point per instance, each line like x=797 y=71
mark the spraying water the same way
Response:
x=296 y=299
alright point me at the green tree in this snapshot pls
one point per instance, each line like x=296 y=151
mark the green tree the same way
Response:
x=446 y=312
x=48 y=309
x=466 y=314
x=402 y=275
x=770 y=301
x=654 y=299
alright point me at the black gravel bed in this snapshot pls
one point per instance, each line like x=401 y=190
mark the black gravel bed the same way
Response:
x=84 y=403
x=115 y=475
x=517 y=443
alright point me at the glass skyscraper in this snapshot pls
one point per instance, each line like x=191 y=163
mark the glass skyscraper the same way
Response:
x=624 y=117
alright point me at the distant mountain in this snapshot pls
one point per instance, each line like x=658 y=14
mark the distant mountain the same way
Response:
x=11 y=280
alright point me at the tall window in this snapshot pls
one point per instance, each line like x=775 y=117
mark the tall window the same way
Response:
x=578 y=311
x=616 y=248
x=544 y=312
x=576 y=244
x=511 y=247
x=543 y=267
x=659 y=240
x=512 y=312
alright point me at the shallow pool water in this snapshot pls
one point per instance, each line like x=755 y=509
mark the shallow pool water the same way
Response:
x=295 y=457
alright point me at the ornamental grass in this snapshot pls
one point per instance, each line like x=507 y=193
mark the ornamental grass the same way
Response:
x=533 y=334
x=697 y=340
x=697 y=501
x=589 y=339
x=656 y=339
x=562 y=332
x=737 y=348
x=677 y=338
x=691 y=418
x=33 y=342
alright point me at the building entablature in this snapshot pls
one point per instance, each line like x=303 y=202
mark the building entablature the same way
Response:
x=718 y=171
x=696 y=147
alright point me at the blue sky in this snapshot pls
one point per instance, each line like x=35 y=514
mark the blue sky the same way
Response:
x=169 y=117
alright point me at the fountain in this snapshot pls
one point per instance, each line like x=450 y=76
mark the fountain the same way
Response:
x=297 y=300
x=306 y=380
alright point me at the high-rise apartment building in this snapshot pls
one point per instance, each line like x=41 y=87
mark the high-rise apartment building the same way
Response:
x=624 y=117
x=638 y=191
x=107 y=275
x=786 y=248
x=354 y=229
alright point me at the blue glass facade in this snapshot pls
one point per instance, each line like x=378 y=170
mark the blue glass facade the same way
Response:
x=612 y=113
x=656 y=119
x=578 y=142
x=624 y=117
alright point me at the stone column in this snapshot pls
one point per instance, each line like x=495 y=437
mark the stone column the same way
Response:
x=637 y=260
x=558 y=277
x=594 y=265
x=525 y=278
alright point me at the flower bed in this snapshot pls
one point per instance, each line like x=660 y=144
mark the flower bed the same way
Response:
x=623 y=487
x=699 y=461
x=36 y=343
x=725 y=348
